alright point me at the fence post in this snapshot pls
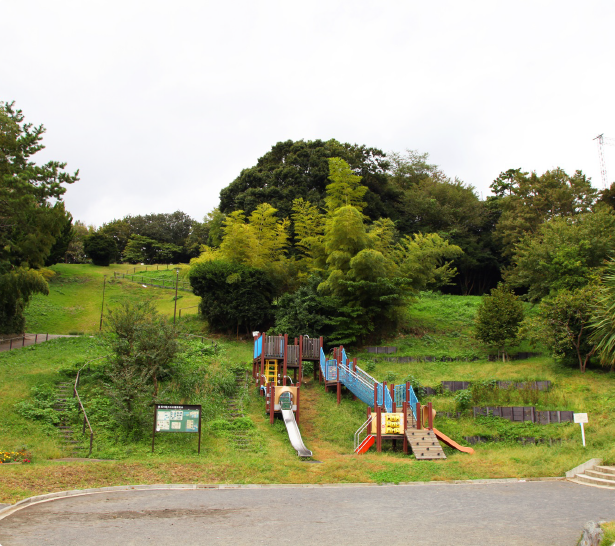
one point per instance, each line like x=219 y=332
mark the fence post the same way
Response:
x=419 y=423
x=23 y=340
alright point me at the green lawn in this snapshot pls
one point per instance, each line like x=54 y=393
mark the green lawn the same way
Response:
x=435 y=325
x=75 y=299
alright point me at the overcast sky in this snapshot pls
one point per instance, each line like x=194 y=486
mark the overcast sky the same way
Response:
x=160 y=105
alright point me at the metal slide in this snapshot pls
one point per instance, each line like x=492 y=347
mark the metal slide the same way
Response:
x=294 y=434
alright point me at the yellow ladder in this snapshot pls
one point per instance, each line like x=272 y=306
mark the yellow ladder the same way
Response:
x=271 y=371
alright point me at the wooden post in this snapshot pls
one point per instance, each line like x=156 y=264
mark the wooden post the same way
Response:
x=354 y=369
x=300 y=361
x=285 y=361
x=375 y=396
x=394 y=407
x=430 y=416
x=263 y=341
x=297 y=412
x=379 y=429
x=271 y=396
x=405 y=410
x=419 y=424
x=337 y=375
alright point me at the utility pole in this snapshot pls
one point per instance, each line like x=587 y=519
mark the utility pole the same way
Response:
x=103 y=304
x=176 y=285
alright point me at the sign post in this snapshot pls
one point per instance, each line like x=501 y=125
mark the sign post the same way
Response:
x=581 y=418
x=177 y=418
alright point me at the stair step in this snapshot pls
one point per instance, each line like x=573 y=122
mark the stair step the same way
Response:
x=602 y=475
x=589 y=480
x=605 y=469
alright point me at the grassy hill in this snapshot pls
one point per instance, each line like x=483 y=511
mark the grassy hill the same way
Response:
x=436 y=325
x=76 y=293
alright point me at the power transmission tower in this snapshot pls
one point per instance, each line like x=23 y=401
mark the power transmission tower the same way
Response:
x=602 y=140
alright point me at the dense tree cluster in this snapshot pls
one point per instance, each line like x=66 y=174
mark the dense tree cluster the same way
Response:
x=33 y=220
x=324 y=237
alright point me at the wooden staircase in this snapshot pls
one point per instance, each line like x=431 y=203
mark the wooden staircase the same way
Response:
x=424 y=443
x=67 y=437
x=597 y=476
x=241 y=438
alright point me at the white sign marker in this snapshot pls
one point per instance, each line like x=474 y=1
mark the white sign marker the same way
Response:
x=581 y=418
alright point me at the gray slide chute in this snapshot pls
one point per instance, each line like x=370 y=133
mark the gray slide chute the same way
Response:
x=294 y=434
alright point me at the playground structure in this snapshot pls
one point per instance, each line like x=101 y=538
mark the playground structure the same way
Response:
x=273 y=359
x=397 y=414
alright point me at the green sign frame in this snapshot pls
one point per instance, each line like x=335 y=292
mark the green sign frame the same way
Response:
x=177 y=418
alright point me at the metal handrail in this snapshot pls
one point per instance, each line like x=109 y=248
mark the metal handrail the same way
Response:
x=76 y=394
x=357 y=434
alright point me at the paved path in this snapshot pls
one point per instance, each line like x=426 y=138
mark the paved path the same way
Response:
x=495 y=514
x=28 y=339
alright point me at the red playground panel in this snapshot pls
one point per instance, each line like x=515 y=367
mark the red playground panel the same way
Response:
x=366 y=444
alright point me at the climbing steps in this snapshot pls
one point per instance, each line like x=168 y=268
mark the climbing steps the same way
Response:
x=424 y=444
x=64 y=393
x=241 y=439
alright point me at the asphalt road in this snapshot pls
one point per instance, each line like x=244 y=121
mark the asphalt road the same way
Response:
x=500 y=514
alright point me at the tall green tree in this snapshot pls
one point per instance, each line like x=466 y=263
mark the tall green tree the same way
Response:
x=144 y=345
x=563 y=324
x=300 y=169
x=528 y=200
x=345 y=188
x=498 y=319
x=100 y=248
x=564 y=253
x=32 y=213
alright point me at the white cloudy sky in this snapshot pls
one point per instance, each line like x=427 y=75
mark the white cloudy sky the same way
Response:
x=161 y=104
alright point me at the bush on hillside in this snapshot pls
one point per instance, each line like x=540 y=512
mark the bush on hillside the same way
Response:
x=234 y=297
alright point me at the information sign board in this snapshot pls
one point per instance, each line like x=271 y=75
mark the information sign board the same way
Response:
x=177 y=418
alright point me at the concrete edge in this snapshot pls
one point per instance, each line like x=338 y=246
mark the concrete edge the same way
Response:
x=7 y=511
x=583 y=467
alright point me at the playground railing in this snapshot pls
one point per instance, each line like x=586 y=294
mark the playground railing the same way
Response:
x=258 y=347
x=379 y=396
x=331 y=370
x=357 y=385
x=388 y=401
x=322 y=362
x=274 y=347
x=363 y=385
x=360 y=431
